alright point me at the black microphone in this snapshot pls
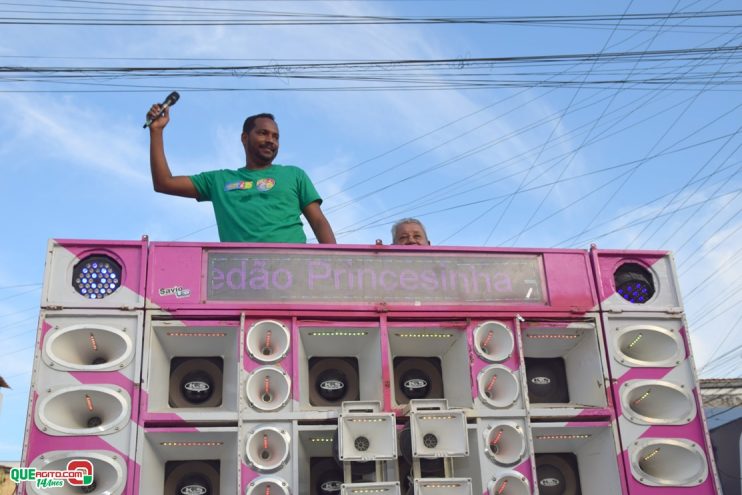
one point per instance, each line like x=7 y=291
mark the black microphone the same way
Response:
x=171 y=100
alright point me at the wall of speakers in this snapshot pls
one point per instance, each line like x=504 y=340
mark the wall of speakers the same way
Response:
x=658 y=401
x=85 y=392
x=191 y=371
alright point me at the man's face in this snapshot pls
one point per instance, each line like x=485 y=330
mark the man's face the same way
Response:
x=410 y=234
x=261 y=143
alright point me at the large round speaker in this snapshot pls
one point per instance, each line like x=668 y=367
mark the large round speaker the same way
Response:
x=649 y=402
x=272 y=485
x=429 y=468
x=509 y=483
x=557 y=474
x=505 y=443
x=196 y=382
x=417 y=378
x=84 y=410
x=267 y=448
x=493 y=341
x=547 y=380
x=267 y=341
x=498 y=386
x=268 y=388
x=188 y=477
x=109 y=472
x=668 y=462
x=333 y=380
x=325 y=476
x=88 y=348
x=648 y=346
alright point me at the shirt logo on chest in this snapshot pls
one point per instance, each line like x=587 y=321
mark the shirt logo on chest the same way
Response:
x=266 y=184
x=240 y=184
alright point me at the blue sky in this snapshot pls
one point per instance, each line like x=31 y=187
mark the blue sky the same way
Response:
x=639 y=149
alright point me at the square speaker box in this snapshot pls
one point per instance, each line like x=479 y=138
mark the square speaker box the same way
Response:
x=337 y=363
x=426 y=363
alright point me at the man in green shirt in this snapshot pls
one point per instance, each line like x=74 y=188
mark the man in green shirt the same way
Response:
x=260 y=202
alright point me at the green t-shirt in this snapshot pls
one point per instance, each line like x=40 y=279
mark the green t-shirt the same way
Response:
x=258 y=205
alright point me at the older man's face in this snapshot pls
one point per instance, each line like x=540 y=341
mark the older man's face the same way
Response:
x=411 y=234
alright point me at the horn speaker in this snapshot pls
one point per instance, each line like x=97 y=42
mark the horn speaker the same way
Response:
x=268 y=388
x=83 y=410
x=267 y=448
x=498 y=386
x=668 y=462
x=647 y=402
x=267 y=341
x=109 y=472
x=493 y=341
x=510 y=483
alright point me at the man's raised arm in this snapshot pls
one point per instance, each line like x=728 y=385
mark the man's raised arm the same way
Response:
x=162 y=179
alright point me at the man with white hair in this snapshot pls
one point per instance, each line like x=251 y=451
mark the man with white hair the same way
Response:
x=409 y=232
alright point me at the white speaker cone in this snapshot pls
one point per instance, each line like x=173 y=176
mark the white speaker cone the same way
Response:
x=648 y=346
x=657 y=402
x=84 y=410
x=87 y=348
x=268 y=388
x=668 y=462
x=109 y=472
x=493 y=341
x=509 y=483
x=268 y=484
x=505 y=443
x=498 y=386
x=267 y=448
x=268 y=341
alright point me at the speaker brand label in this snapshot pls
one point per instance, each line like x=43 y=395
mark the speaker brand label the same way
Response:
x=193 y=490
x=331 y=486
x=332 y=385
x=197 y=386
x=549 y=482
x=345 y=277
x=415 y=383
x=540 y=380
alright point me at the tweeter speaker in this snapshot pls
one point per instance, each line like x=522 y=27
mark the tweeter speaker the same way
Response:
x=196 y=382
x=493 y=341
x=268 y=388
x=267 y=448
x=498 y=386
x=509 y=483
x=333 y=380
x=271 y=485
x=505 y=443
x=558 y=474
x=190 y=477
x=267 y=341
